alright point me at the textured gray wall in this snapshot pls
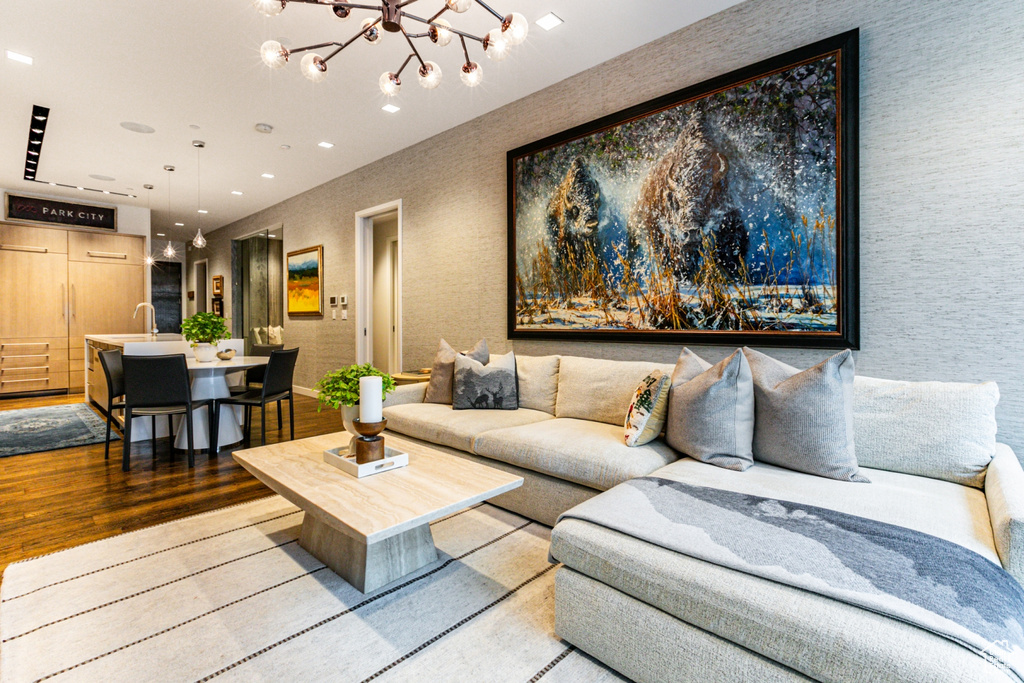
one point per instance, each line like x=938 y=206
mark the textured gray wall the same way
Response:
x=942 y=193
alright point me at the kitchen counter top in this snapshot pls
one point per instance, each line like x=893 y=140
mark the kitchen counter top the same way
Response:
x=122 y=339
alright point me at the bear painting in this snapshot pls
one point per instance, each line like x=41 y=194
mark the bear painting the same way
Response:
x=722 y=211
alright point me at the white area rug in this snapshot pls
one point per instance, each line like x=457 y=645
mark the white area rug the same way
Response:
x=230 y=596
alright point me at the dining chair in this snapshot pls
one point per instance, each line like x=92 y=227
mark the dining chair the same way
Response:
x=253 y=376
x=114 y=372
x=158 y=385
x=277 y=386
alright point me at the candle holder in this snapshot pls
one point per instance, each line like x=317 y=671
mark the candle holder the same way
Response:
x=369 y=443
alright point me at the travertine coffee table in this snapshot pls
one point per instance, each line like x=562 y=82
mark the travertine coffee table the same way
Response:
x=374 y=530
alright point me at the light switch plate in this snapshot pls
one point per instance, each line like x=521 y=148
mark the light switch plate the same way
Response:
x=344 y=314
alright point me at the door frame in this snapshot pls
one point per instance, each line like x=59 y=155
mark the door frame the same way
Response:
x=206 y=287
x=364 y=280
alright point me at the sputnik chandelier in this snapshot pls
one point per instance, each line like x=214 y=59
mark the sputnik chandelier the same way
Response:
x=390 y=13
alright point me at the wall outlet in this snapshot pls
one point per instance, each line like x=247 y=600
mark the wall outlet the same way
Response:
x=344 y=314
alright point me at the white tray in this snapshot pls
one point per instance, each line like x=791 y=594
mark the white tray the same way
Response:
x=345 y=460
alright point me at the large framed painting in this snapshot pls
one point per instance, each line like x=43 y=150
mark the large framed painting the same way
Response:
x=305 y=281
x=724 y=213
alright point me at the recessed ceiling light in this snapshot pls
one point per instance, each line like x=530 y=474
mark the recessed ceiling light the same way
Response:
x=236 y=192
x=36 y=142
x=269 y=176
x=390 y=108
x=180 y=225
x=35 y=154
x=286 y=147
x=106 y=191
x=131 y=196
x=39 y=117
x=80 y=188
x=137 y=127
x=24 y=59
x=549 y=21
x=193 y=126
x=160 y=234
x=53 y=184
x=264 y=128
x=203 y=211
x=326 y=145
x=104 y=178
x=37 y=131
x=271 y=235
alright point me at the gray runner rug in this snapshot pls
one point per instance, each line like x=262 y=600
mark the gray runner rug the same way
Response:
x=230 y=596
x=30 y=430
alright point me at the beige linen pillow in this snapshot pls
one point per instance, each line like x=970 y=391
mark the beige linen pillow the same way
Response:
x=646 y=415
x=439 y=389
x=711 y=410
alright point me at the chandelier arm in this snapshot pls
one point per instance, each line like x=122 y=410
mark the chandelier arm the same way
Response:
x=433 y=18
x=405 y=64
x=347 y=5
x=418 y=35
x=465 y=50
x=311 y=47
x=415 y=52
x=446 y=28
x=404 y=3
x=342 y=46
x=488 y=8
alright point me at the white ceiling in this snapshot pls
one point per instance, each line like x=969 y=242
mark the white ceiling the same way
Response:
x=171 y=65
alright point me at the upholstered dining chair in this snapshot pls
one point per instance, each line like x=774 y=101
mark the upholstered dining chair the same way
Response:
x=277 y=386
x=158 y=385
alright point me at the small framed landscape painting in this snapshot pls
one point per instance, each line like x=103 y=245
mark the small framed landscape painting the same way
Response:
x=724 y=213
x=305 y=281
x=218 y=285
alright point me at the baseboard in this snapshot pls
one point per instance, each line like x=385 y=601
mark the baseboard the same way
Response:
x=303 y=391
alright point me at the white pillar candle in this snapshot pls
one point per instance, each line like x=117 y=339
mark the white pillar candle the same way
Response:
x=371 y=399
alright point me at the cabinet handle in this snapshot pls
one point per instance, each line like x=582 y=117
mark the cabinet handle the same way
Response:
x=38 y=367
x=46 y=344
x=74 y=304
x=12 y=381
x=63 y=302
x=26 y=355
x=107 y=254
x=19 y=247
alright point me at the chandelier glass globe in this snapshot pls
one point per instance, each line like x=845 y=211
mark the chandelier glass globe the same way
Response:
x=497 y=47
x=515 y=27
x=440 y=33
x=269 y=8
x=274 y=54
x=430 y=75
x=390 y=84
x=314 y=67
x=342 y=13
x=471 y=74
x=459 y=5
x=373 y=35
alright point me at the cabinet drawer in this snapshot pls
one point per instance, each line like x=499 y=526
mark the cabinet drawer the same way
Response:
x=28 y=238
x=26 y=371
x=76 y=365
x=76 y=353
x=27 y=347
x=12 y=384
x=11 y=363
x=106 y=248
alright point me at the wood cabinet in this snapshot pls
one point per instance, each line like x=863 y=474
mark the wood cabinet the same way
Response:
x=56 y=286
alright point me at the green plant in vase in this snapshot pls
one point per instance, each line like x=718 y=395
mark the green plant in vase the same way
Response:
x=339 y=389
x=204 y=330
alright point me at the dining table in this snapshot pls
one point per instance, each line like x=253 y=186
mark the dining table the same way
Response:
x=209 y=381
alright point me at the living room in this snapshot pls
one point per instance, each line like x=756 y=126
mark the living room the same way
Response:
x=159 y=550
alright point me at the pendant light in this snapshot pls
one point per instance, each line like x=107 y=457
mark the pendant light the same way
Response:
x=199 y=241
x=169 y=251
x=149 y=205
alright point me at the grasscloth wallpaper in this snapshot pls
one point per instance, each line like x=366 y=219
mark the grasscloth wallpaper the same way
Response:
x=942 y=194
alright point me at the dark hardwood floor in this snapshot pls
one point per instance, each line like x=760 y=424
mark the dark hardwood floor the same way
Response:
x=58 y=499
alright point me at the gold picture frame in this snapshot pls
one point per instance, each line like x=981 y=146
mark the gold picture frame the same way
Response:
x=218 y=285
x=305 y=281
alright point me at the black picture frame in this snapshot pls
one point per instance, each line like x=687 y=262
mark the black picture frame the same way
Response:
x=847 y=332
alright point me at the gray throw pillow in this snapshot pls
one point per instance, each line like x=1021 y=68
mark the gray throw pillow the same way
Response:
x=804 y=420
x=711 y=411
x=486 y=387
x=439 y=389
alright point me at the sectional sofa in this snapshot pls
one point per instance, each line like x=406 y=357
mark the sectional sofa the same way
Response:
x=658 y=615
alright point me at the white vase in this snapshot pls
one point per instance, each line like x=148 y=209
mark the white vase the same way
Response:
x=348 y=415
x=205 y=353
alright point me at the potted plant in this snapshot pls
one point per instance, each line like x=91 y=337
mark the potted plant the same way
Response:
x=339 y=389
x=204 y=330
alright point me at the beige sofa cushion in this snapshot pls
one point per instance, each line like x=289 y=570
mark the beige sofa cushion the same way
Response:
x=585 y=452
x=600 y=390
x=439 y=423
x=943 y=430
x=538 y=382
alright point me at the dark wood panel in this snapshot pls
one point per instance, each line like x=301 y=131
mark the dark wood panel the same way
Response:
x=59 y=499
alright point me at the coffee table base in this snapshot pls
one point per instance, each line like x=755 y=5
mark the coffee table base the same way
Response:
x=367 y=567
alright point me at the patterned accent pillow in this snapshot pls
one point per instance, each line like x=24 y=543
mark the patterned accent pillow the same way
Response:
x=485 y=387
x=646 y=415
x=439 y=388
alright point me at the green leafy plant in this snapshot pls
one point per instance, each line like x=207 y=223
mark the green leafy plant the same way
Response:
x=341 y=387
x=204 y=328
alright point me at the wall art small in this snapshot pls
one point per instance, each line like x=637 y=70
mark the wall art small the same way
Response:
x=218 y=285
x=724 y=213
x=305 y=281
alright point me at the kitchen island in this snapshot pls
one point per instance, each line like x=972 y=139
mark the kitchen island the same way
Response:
x=145 y=345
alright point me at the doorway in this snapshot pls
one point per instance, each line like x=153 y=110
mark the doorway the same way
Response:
x=166 y=284
x=201 y=286
x=379 y=287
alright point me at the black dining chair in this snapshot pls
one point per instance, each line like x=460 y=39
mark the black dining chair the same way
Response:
x=158 y=385
x=111 y=363
x=277 y=386
x=254 y=375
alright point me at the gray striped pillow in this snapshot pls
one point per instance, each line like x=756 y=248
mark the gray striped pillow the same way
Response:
x=803 y=421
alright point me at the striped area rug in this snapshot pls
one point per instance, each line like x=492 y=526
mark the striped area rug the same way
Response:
x=230 y=596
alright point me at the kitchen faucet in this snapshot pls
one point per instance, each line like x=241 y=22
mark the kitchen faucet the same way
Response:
x=150 y=306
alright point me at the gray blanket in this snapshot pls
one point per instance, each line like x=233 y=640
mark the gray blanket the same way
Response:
x=907 y=575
